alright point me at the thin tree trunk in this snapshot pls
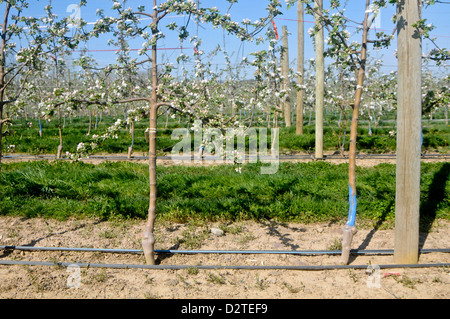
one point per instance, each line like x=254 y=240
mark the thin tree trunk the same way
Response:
x=446 y=114
x=167 y=119
x=285 y=69
x=60 y=146
x=148 y=239
x=90 y=122
x=130 y=148
x=40 y=127
x=3 y=75
x=349 y=228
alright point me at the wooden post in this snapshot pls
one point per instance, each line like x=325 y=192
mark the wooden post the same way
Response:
x=285 y=70
x=300 y=67
x=320 y=75
x=409 y=99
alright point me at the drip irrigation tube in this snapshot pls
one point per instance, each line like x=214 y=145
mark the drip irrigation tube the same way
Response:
x=169 y=251
x=237 y=267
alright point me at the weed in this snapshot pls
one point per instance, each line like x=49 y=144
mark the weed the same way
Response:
x=293 y=290
x=446 y=269
x=192 y=270
x=108 y=234
x=261 y=283
x=234 y=229
x=336 y=245
x=245 y=238
x=34 y=279
x=149 y=280
x=353 y=275
x=150 y=295
x=181 y=279
x=100 y=276
x=437 y=280
x=407 y=282
x=216 y=279
x=193 y=238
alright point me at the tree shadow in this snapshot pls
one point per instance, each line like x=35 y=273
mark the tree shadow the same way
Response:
x=429 y=206
x=165 y=255
x=35 y=241
x=378 y=224
x=7 y=251
x=284 y=238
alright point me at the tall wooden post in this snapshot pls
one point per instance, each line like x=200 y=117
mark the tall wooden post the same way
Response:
x=320 y=75
x=285 y=70
x=300 y=67
x=409 y=99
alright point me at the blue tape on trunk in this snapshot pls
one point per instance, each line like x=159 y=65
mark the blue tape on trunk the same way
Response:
x=352 y=210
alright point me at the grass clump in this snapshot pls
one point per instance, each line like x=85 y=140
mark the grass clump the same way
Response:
x=216 y=279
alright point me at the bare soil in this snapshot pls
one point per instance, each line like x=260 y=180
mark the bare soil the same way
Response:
x=43 y=282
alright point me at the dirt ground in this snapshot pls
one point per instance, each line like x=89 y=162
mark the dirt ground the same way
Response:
x=44 y=282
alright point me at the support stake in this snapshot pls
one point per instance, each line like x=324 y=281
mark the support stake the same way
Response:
x=409 y=109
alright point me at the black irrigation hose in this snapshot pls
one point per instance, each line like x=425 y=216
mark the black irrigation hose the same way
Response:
x=178 y=267
x=169 y=251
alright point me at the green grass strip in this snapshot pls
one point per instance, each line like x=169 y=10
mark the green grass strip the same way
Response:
x=300 y=192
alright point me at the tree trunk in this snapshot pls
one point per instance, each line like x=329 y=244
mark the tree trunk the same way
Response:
x=300 y=68
x=1 y=123
x=90 y=122
x=60 y=146
x=130 y=148
x=285 y=70
x=148 y=239
x=167 y=119
x=40 y=127
x=349 y=229
x=446 y=114
x=3 y=74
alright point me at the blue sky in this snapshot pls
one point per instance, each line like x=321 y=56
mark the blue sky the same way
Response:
x=438 y=14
